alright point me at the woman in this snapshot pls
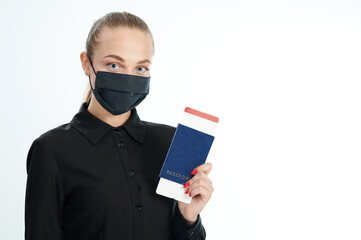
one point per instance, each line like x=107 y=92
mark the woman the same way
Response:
x=95 y=177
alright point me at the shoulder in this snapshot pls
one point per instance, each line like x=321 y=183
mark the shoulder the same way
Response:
x=159 y=130
x=56 y=135
x=158 y=126
x=41 y=149
x=152 y=126
x=53 y=140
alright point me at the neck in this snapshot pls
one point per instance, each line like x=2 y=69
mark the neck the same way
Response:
x=98 y=111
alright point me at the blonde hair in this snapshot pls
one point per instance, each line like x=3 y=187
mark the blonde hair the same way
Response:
x=112 y=20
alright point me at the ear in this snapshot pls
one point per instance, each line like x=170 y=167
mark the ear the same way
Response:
x=85 y=63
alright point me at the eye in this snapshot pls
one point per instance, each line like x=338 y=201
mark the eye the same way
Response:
x=144 y=69
x=113 y=65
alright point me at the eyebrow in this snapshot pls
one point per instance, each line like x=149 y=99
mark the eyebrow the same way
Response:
x=122 y=59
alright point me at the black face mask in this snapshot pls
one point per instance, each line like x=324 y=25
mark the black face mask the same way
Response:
x=118 y=93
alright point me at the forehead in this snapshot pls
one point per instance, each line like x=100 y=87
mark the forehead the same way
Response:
x=130 y=44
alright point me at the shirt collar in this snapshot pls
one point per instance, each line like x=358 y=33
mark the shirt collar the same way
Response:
x=94 y=129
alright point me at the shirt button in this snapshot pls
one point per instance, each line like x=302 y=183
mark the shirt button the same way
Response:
x=120 y=144
x=116 y=131
x=192 y=233
x=139 y=206
x=131 y=173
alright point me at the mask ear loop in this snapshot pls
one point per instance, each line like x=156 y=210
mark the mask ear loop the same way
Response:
x=91 y=64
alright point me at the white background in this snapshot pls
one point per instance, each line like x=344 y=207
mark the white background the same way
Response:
x=282 y=76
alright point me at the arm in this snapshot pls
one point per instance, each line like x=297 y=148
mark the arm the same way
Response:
x=181 y=229
x=43 y=197
x=187 y=222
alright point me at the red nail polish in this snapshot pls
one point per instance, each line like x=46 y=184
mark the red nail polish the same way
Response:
x=194 y=171
x=186 y=185
x=187 y=191
x=190 y=194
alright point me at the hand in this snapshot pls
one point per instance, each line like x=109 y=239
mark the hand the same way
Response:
x=200 y=187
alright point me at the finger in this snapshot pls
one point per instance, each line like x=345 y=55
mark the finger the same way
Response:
x=205 y=167
x=203 y=191
x=201 y=178
x=201 y=182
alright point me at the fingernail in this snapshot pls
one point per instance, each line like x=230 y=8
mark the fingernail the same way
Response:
x=194 y=171
x=186 y=185
x=187 y=191
x=190 y=194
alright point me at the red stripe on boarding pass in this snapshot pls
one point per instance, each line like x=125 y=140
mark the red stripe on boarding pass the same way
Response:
x=201 y=114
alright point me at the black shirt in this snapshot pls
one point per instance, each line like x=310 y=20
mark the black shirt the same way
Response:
x=88 y=180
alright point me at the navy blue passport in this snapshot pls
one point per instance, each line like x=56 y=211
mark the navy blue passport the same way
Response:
x=188 y=150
